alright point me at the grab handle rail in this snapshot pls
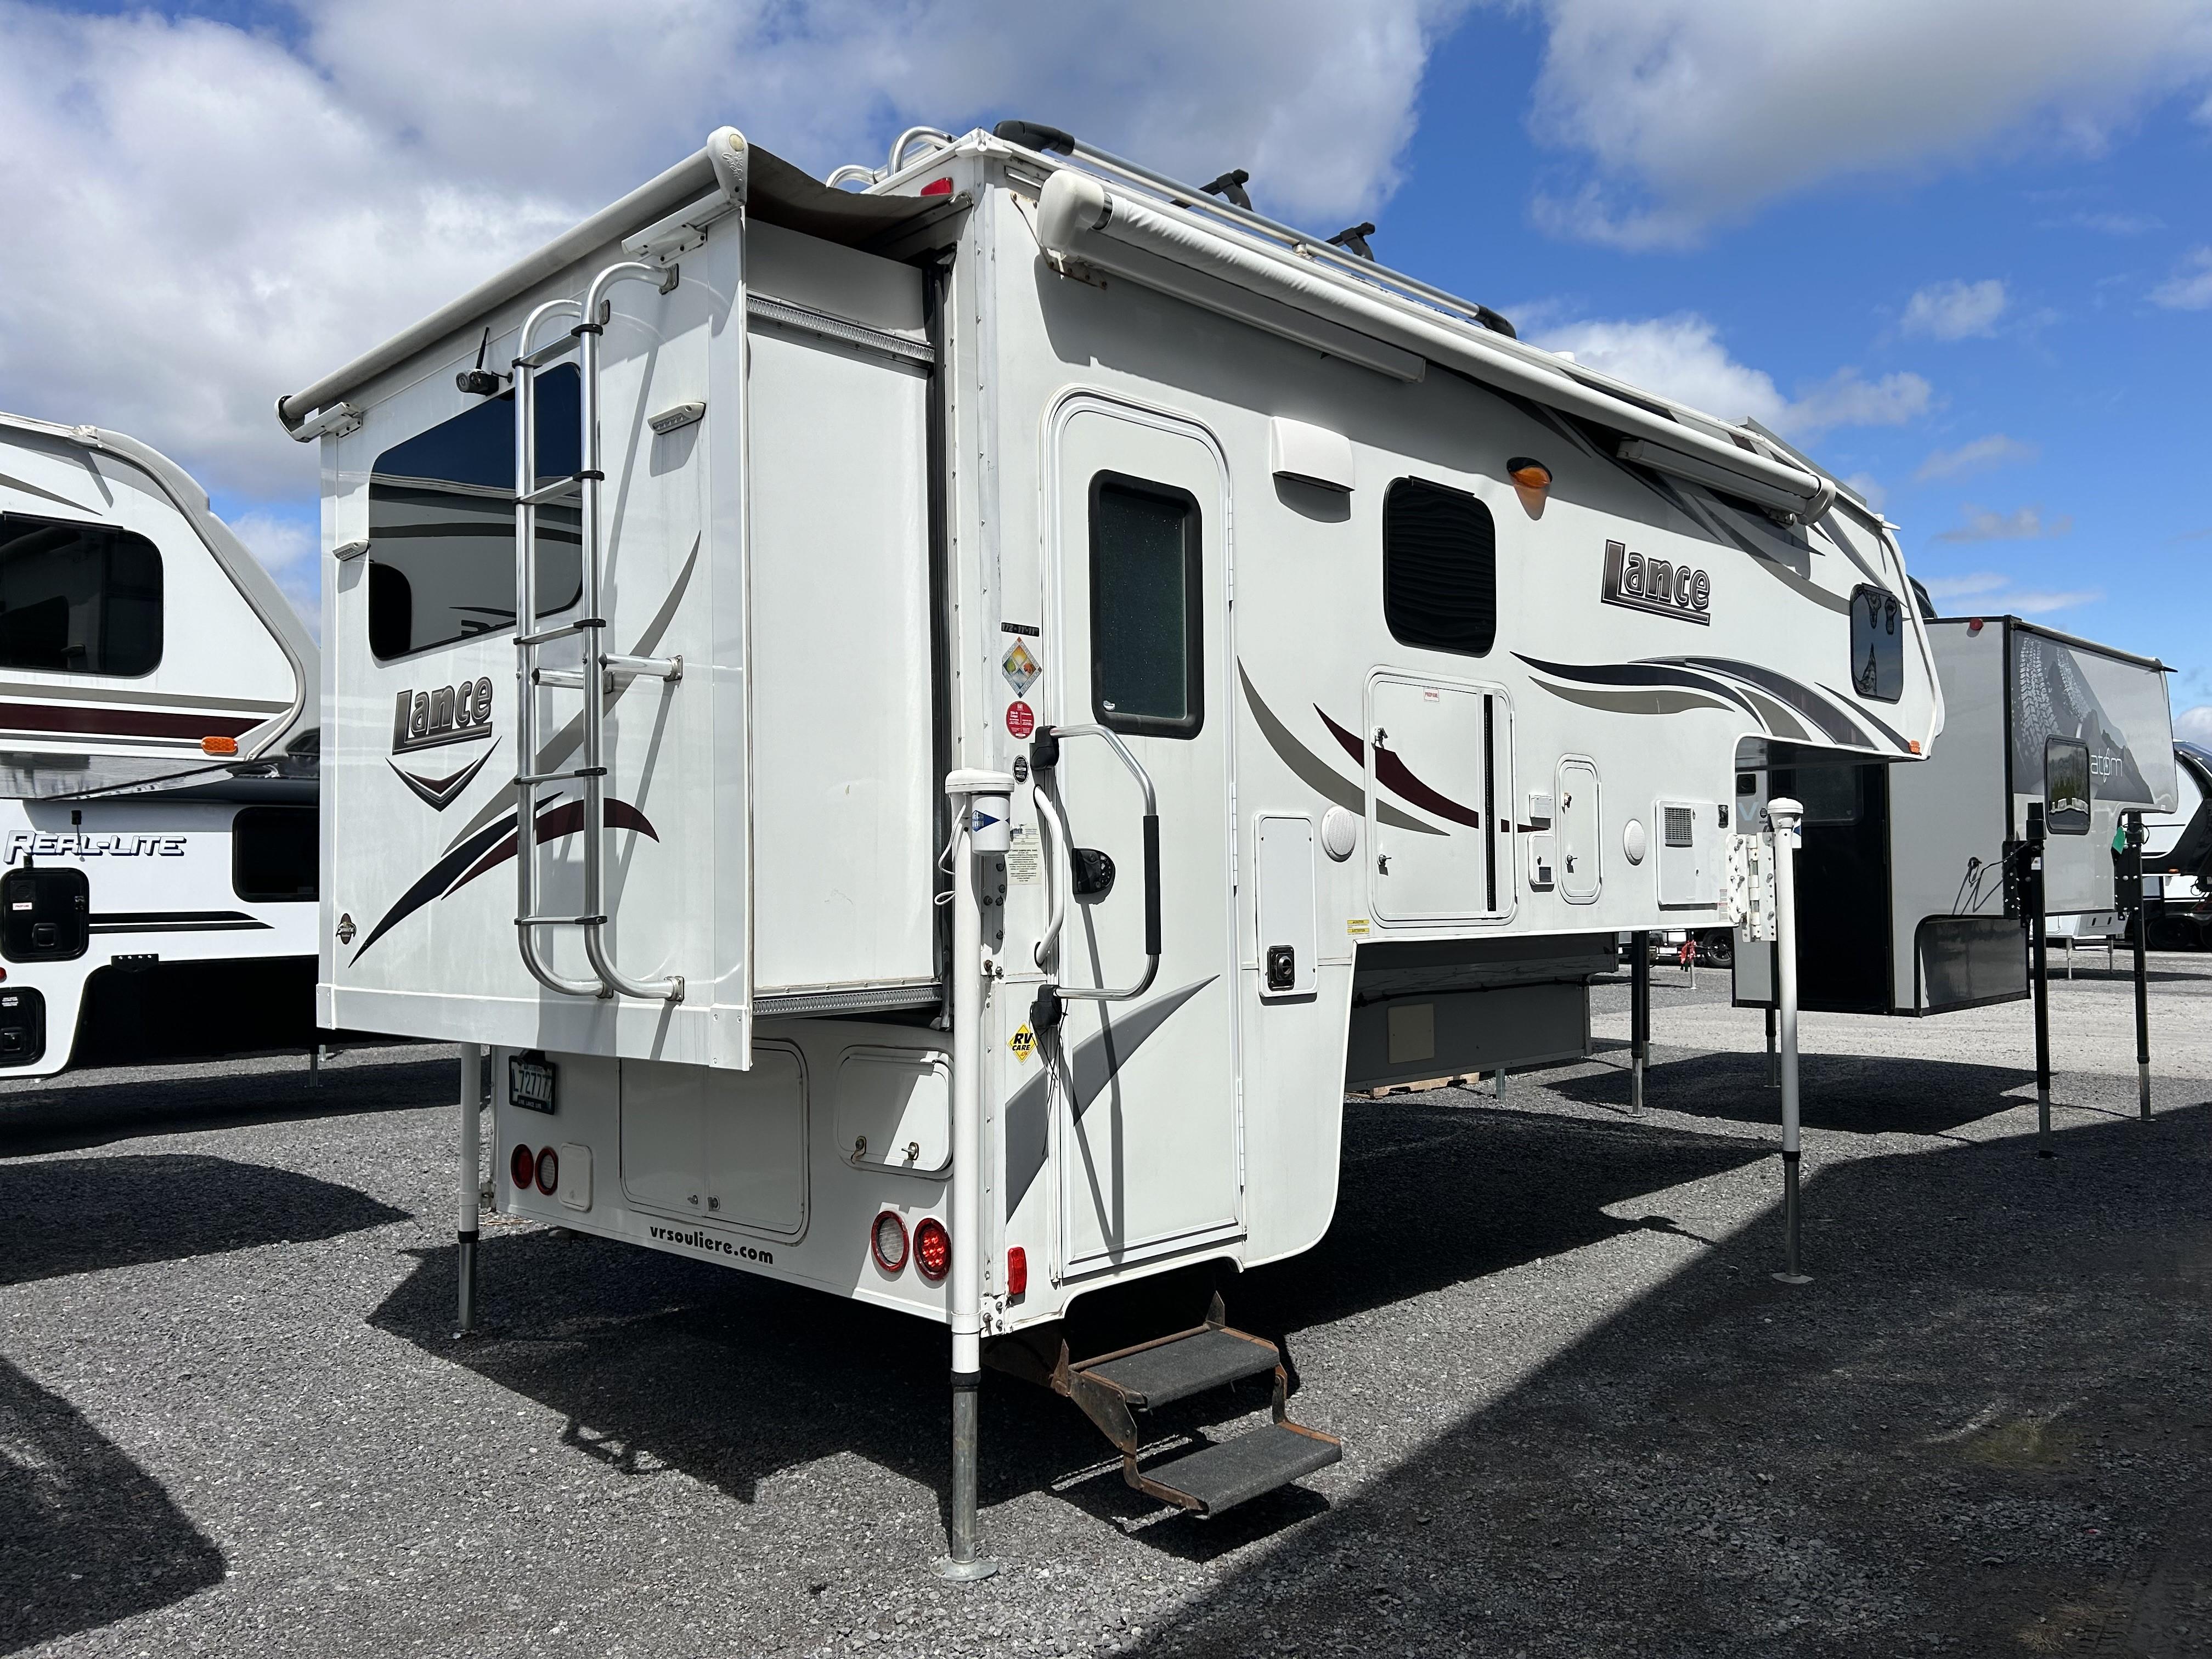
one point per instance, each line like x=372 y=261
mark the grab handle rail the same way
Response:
x=1152 y=842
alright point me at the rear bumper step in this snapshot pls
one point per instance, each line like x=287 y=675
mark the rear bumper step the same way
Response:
x=1228 y=1472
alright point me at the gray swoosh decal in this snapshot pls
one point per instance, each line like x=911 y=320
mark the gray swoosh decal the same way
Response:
x=1839 y=726
x=7 y=482
x=1089 y=1069
x=1315 y=773
x=1636 y=703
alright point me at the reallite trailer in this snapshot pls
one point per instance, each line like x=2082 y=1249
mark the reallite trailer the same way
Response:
x=158 y=734
x=932 y=729
x=1910 y=896
x=2177 y=857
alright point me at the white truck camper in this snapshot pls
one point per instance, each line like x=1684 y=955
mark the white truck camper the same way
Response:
x=933 y=729
x=1914 y=895
x=158 y=752
x=2177 y=857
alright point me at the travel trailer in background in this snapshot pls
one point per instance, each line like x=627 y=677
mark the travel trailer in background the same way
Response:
x=931 y=730
x=158 y=731
x=2177 y=857
x=1909 y=893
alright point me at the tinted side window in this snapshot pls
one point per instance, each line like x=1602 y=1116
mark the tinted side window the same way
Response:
x=78 y=599
x=1146 y=655
x=1439 y=569
x=441 y=524
x=1877 y=644
x=273 y=854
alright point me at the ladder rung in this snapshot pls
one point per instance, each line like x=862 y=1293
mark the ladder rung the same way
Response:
x=561 y=777
x=567 y=680
x=560 y=921
x=551 y=492
x=546 y=353
x=546 y=636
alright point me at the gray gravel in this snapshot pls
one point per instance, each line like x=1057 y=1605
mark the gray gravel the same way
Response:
x=1581 y=1418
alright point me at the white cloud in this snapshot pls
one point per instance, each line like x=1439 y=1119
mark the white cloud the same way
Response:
x=199 y=217
x=1691 y=113
x=290 y=550
x=1996 y=596
x=1979 y=456
x=2194 y=725
x=2190 y=287
x=2022 y=524
x=1955 y=310
x=1870 y=489
x=1682 y=357
x=2106 y=224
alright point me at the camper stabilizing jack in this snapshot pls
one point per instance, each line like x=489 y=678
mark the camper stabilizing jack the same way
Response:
x=1027 y=679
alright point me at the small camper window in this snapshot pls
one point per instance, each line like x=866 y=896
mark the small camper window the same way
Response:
x=1877 y=644
x=1146 y=629
x=78 y=599
x=1439 y=569
x=441 y=524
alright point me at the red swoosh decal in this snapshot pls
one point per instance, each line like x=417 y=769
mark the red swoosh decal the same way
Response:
x=1401 y=783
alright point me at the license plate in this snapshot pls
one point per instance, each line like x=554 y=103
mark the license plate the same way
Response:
x=530 y=1081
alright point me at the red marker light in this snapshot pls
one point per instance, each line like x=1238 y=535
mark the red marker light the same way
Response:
x=548 y=1170
x=887 y=1242
x=522 y=1169
x=933 y=1249
x=1017 y=1271
x=937 y=187
x=1973 y=626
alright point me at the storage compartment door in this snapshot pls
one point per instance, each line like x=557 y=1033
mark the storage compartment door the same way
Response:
x=1582 y=869
x=1435 y=749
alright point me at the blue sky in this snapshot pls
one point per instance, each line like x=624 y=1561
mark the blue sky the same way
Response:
x=1961 y=250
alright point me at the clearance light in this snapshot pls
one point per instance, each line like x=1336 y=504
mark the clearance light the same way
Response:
x=219 y=745
x=1973 y=626
x=887 y=1240
x=522 y=1169
x=548 y=1170
x=1017 y=1271
x=933 y=1249
x=1532 y=482
x=937 y=187
x=1915 y=746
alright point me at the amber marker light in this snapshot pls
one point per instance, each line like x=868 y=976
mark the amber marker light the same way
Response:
x=1532 y=482
x=219 y=745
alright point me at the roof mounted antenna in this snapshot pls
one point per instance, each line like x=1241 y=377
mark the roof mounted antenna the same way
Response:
x=481 y=382
x=1352 y=238
x=1231 y=187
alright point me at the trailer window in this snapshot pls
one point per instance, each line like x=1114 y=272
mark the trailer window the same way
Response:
x=1147 y=642
x=274 y=855
x=441 y=524
x=78 y=599
x=1439 y=569
x=1877 y=644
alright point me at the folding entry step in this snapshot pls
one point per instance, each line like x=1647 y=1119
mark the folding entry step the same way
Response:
x=1113 y=1388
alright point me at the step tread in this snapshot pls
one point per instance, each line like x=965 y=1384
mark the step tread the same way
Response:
x=1227 y=1472
x=1190 y=1365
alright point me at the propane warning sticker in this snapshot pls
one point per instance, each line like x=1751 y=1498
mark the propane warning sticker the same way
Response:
x=1023 y=1042
x=1020 y=667
x=1021 y=719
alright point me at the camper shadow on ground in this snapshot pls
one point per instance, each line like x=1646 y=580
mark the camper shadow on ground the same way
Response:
x=1983 y=1428
x=64 y=1115
x=86 y=1537
x=77 y=1215
x=1854 y=1094
x=626 y=1344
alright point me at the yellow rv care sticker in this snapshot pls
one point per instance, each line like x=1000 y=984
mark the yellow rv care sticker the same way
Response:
x=1355 y=925
x=1021 y=1042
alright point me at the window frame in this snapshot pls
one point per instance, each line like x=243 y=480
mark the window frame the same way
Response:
x=1190 y=724
x=122 y=534
x=1389 y=619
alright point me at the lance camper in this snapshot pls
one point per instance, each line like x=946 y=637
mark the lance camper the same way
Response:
x=932 y=729
x=1912 y=896
x=158 y=734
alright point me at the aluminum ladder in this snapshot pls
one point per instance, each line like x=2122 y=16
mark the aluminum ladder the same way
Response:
x=600 y=665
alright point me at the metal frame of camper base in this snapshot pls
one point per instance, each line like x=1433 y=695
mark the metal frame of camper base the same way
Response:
x=158 y=850
x=1028 y=679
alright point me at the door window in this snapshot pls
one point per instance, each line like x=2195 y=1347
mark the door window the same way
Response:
x=78 y=599
x=441 y=524
x=1146 y=649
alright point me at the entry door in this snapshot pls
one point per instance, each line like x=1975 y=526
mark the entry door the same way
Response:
x=1148 y=1113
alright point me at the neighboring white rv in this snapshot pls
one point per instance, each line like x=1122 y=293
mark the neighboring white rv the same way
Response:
x=1908 y=896
x=2177 y=857
x=933 y=730
x=157 y=767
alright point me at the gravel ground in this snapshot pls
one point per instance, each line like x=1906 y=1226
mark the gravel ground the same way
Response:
x=1581 y=1418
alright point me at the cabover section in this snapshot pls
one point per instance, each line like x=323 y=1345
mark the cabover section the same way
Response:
x=716 y=722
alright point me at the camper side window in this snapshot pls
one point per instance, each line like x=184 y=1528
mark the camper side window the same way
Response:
x=1146 y=569
x=78 y=599
x=1439 y=569
x=441 y=524
x=1877 y=644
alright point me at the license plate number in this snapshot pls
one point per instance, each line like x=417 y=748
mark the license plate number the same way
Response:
x=530 y=1080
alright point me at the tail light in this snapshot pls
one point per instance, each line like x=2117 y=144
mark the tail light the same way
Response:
x=548 y=1170
x=887 y=1239
x=1017 y=1271
x=522 y=1169
x=933 y=1249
